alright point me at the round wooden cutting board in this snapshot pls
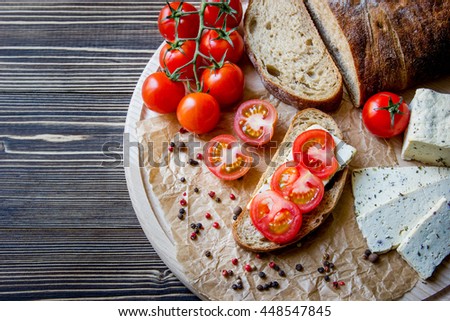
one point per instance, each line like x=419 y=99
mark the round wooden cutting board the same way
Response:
x=152 y=218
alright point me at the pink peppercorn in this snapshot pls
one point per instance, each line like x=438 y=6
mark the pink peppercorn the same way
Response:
x=235 y=261
x=341 y=283
x=183 y=202
x=183 y=130
x=216 y=225
x=248 y=268
x=184 y=194
x=272 y=265
x=193 y=236
x=232 y=197
x=208 y=216
x=225 y=273
x=258 y=256
x=212 y=194
x=170 y=149
x=199 y=156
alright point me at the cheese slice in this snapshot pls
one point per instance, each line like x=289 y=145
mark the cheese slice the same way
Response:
x=428 y=243
x=344 y=154
x=375 y=186
x=385 y=227
x=427 y=138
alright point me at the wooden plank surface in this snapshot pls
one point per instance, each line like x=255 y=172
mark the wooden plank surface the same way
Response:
x=67 y=227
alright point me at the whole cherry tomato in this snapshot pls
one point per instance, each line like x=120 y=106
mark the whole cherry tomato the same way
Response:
x=188 y=25
x=198 y=113
x=230 y=10
x=161 y=94
x=173 y=57
x=222 y=43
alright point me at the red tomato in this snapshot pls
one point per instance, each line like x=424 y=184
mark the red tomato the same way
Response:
x=198 y=113
x=254 y=122
x=296 y=183
x=188 y=25
x=161 y=94
x=386 y=115
x=173 y=58
x=230 y=45
x=231 y=10
x=225 y=158
x=315 y=150
x=226 y=84
x=279 y=220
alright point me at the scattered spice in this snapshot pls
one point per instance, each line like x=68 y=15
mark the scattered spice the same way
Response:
x=212 y=194
x=183 y=130
x=266 y=286
x=326 y=256
x=276 y=268
x=237 y=210
x=183 y=202
x=196 y=190
x=331 y=265
x=327 y=278
x=197 y=231
x=172 y=144
x=240 y=286
x=299 y=267
x=200 y=226
x=262 y=275
x=274 y=284
x=182 y=211
x=193 y=162
x=208 y=216
x=207 y=253
x=199 y=156
x=218 y=200
x=321 y=270
x=235 y=261
x=341 y=283
x=260 y=287
x=230 y=272
x=216 y=225
x=225 y=273
x=170 y=149
x=272 y=265
x=373 y=257
x=193 y=236
x=282 y=273
x=248 y=268
x=234 y=287
x=235 y=218
x=326 y=263
x=335 y=284
x=232 y=196
x=193 y=226
x=327 y=269
x=367 y=252
x=184 y=194
x=180 y=216
x=259 y=256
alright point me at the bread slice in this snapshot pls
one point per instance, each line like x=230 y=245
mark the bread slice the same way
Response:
x=289 y=55
x=245 y=233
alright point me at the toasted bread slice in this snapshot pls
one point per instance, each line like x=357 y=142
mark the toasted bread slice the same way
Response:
x=289 y=55
x=245 y=233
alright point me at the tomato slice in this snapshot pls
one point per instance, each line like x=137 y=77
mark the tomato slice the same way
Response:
x=297 y=184
x=225 y=158
x=279 y=220
x=315 y=150
x=254 y=122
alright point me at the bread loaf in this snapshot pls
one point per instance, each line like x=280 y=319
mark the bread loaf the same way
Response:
x=289 y=55
x=384 y=45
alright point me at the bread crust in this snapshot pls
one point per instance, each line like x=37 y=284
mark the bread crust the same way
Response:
x=315 y=218
x=330 y=104
x=395 y=43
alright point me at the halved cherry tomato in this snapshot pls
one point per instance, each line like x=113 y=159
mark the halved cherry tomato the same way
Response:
x=161 y=94
x=173 y=57
x=226 y=83
x=215 y=16
x=254 y=122
x=219 y=43
x=225 y=158
x=198 y=113
x=188 y=24
x=296 y=184
x=279 y=220
x=315 y=150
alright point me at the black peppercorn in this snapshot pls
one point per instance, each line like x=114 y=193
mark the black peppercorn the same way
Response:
x=193 y=226
x=237 y=210
x=196 y=190
x=230 y=272
x=234 y=287
x=262 y=275
x=266 y=287
x=260 y=287
x=197 y=231
x=373 y=257
x=240 y=286
x=321 y=270
x=367 y=252
x=199 y=225
x=331 y=265
x=276 y=268
x=172 y=144
x=326 y=264
x=193 y=162
x=299 y=267
x=182 y=211
x=218 y=200
x=282 y=273
x=327 y=278
x=182 y=180
x=235 y=218
x=180 y=216
x=208 y=254
x=275 y=284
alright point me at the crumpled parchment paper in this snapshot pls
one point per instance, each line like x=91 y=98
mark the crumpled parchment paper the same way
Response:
x=339 y=236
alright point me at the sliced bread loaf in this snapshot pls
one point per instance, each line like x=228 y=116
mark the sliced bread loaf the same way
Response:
x=288 y=53
x=245 y=233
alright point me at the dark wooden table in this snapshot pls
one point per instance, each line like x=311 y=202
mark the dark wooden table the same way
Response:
x=67 y=227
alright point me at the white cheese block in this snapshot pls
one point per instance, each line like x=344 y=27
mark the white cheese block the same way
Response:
x=375 y=186
x=344 y=154
x=428 y=243
x=427 y=138
x=385 y=227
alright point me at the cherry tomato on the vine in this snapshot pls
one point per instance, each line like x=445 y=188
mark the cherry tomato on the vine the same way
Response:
x=222 y=43
x=226 y=83
x=231 y=10
x=161 y=94
x=386 y=115
x=188 y=24
x=198 y=113
x=173 y=57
